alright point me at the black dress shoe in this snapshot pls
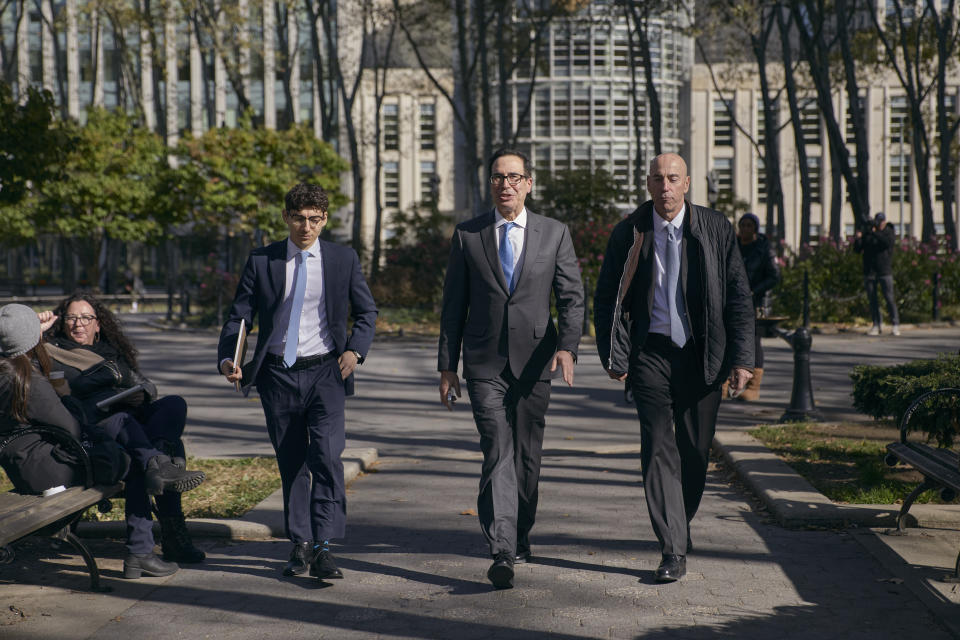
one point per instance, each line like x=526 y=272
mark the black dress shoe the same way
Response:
x=500 y=573
x=300 y=557
x=672 y=568
x=323 y=566
x=137 y=564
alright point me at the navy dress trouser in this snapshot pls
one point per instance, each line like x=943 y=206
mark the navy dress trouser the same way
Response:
x=304 y=410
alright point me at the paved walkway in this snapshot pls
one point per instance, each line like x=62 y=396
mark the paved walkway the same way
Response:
x=415 y=561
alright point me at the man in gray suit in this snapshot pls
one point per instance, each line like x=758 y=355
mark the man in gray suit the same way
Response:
x=496 y=305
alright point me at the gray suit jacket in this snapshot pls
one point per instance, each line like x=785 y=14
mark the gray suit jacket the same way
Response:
x=495 y=327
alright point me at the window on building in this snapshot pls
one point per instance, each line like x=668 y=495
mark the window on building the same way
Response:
x=723 y=168
x=581 y=157
x=810 y=122
x=900 y=178
x=621 y=49
x=581 y=111
x=621 y=164
x=428 y=126
x=761 y=181
x=391 y=184
x=761 y=123
x=815 y=231
x=601 y=110
x=621 y=112
x=581 y=54
x=391 y=126
x=816 y=177
x=542 y=112
x=849 y=230
x=861 y=105
x=899 y=120
x=561 y=53
x=722 y=123
x=601 y=49
x=561 y=112
x=428 y=178
x=522 y=127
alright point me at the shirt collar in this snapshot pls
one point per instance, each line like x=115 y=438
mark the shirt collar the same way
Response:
x=292 y=249
x=520 y=221
x=677 y=222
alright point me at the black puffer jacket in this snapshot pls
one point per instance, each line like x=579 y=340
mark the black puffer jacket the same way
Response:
x=32 y=462
x=723 y=332
x=763 y=272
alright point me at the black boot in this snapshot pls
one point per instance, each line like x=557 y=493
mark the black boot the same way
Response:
x=162 y=474
x=137 y=564
x=176 y=543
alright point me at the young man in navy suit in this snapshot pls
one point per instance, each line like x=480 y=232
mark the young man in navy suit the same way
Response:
x=303 y=289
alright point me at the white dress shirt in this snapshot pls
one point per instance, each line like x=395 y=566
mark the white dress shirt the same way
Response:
x=314 y=338
x=660 y=314
x=517 y=236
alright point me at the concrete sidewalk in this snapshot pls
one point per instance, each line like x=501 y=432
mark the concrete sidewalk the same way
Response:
x=415 y=561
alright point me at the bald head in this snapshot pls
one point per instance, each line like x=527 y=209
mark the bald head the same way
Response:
x=668 y=183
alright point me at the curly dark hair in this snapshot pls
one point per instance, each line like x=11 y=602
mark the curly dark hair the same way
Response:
x=110 y=330
x=306 y=196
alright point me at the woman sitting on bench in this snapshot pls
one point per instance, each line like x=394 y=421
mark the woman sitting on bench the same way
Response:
x=34 y=464
x=85 y=341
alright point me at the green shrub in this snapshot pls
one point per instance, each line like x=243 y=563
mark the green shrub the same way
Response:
x=836 y=281
x=888 y=391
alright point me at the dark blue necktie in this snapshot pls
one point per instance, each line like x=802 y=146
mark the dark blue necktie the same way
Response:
x=293 y=327
x=506 y=255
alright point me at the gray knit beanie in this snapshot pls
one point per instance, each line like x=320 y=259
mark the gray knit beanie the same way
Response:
x=19 y=330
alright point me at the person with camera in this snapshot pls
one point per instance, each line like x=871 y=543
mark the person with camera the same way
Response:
x=877 y=249
x=99 y=362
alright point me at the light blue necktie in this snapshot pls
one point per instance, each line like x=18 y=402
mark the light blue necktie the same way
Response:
x=506 y=255
x=678 y=332
x=293 y=328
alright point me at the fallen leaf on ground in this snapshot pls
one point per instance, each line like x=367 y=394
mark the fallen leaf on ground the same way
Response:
x=469 y=512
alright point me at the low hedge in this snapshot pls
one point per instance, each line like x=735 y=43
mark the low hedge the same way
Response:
x=887 y=392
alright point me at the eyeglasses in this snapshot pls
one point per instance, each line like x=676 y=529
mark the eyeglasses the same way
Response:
x=80 y=320
x=299 y=220
x=513 y=179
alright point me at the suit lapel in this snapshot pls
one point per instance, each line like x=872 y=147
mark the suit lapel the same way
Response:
x=277 y=267
x=488 y=235
x=533 y=236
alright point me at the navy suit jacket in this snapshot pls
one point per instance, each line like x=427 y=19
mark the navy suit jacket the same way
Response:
x=260 y=292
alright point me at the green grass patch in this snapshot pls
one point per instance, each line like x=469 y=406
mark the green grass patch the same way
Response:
x=232 y=488
x=845 y=462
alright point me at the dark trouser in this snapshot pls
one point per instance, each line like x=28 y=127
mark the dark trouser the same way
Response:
x=510 y=419
x=305 y=419
x=138 y=432
x=886 y=285
x=678 y=413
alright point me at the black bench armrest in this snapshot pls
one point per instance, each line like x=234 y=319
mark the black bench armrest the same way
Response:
x=905 y=420
x=59 y=436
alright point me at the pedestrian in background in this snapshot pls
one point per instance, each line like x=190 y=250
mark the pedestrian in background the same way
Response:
x=763 y=272
x=877 y=249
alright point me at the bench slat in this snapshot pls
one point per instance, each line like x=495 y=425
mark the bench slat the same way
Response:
x=940 y=464
x=21 y=515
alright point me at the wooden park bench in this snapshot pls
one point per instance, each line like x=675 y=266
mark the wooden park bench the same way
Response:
x=55 y=516
x=940 y=466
